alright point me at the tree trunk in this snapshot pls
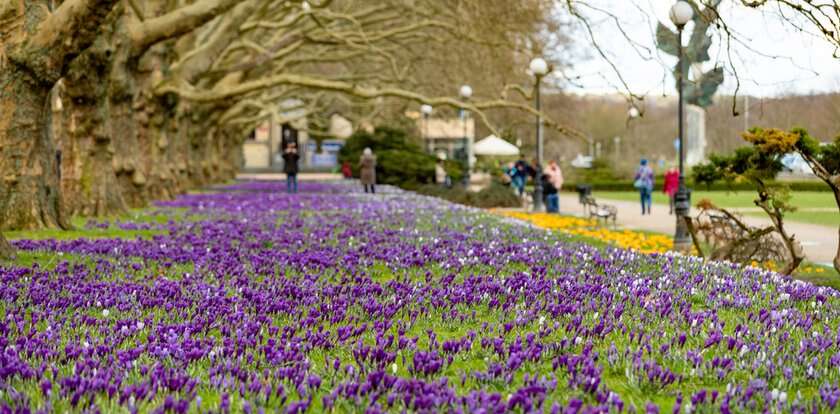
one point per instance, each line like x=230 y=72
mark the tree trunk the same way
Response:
x=99 y=191
x=837 y=256
x=834 y=183
x=29 y=195
x=129 y=157
x=6 y=249
x=38 y=49
x=62 y=127
x=230 y=144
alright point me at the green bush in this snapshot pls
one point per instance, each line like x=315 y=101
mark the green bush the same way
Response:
x=400 y=160
x=454 y=169
x=494 y=196
x=406 y=169
x=601 y=171
x=627 y=185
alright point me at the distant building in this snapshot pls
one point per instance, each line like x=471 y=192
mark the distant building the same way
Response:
x=262 y=150
x=447 y=136
x=340 y=127
x=327 y=156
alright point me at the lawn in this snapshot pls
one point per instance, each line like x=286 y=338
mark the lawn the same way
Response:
x=336 y=301
x=743 y=199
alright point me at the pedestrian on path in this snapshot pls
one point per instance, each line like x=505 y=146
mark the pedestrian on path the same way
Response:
x=507 y=174
x=519 y=174
x=552 y=200
x=672 y=183
x=555 y=174
x=440 y=173
x=290 y=167
x=643 y=181
x=368 y=170
x=346 y=170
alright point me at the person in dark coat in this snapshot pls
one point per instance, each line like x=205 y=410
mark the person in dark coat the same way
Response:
x=367 y=174
x=643 y=181
x=290 y=167
x=552 y=200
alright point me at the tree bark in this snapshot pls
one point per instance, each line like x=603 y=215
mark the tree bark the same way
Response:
x=837 y=256
x=777 y=218
x=41 y=45
x=201 y=57
x=836 y=188
x=149 y=143
x=29 y=195
x=175 y=23
x=99 y=193
x=6 y=249
x=833 y=182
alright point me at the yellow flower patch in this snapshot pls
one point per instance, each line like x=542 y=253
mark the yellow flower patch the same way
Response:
x=628 y=239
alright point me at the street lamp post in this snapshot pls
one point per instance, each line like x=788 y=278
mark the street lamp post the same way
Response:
x=539 y=68
x=426 y=110
x=681 y=13
x=466 y=92
x=632 y=114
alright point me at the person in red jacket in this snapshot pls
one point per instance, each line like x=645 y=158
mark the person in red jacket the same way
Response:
x=672 y=182
x=346 y=170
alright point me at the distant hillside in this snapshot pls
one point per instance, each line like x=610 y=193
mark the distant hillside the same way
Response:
x=604 y=117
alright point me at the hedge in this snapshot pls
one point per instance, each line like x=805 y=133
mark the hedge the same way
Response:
x=627 y=185
x=494 y=196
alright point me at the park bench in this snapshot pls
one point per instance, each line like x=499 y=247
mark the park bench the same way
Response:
x=600 y=211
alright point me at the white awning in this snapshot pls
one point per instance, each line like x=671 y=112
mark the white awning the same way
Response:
x=493 y=145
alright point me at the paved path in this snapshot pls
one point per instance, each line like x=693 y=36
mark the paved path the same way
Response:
x=304 y=176
x=819 y=242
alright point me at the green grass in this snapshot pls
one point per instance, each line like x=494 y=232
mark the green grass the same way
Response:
x=818 y=275
x=744 y=199
x=824 y=218
x=79 y=230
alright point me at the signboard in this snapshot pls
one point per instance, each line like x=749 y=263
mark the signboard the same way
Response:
x=327 y=157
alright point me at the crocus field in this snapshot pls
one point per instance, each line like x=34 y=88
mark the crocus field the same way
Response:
x=332 y=300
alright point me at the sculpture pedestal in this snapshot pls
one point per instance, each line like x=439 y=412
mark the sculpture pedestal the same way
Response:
x=695 y=135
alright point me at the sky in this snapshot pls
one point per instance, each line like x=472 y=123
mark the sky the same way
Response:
x=771 y=57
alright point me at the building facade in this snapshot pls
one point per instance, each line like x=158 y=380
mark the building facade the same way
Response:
x=448 y=138
x=263 y=149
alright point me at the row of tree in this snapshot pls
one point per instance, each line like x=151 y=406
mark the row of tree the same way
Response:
x=107 y=104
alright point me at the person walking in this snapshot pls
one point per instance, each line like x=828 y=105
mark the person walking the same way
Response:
x=368 y=170
x=643 y=181
x=552 y=201
x=555 y=177
x=290 y=167
x=672 y=183
x=440 y=173
x=518 y=176
x=507 y=173
x=346 y=170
